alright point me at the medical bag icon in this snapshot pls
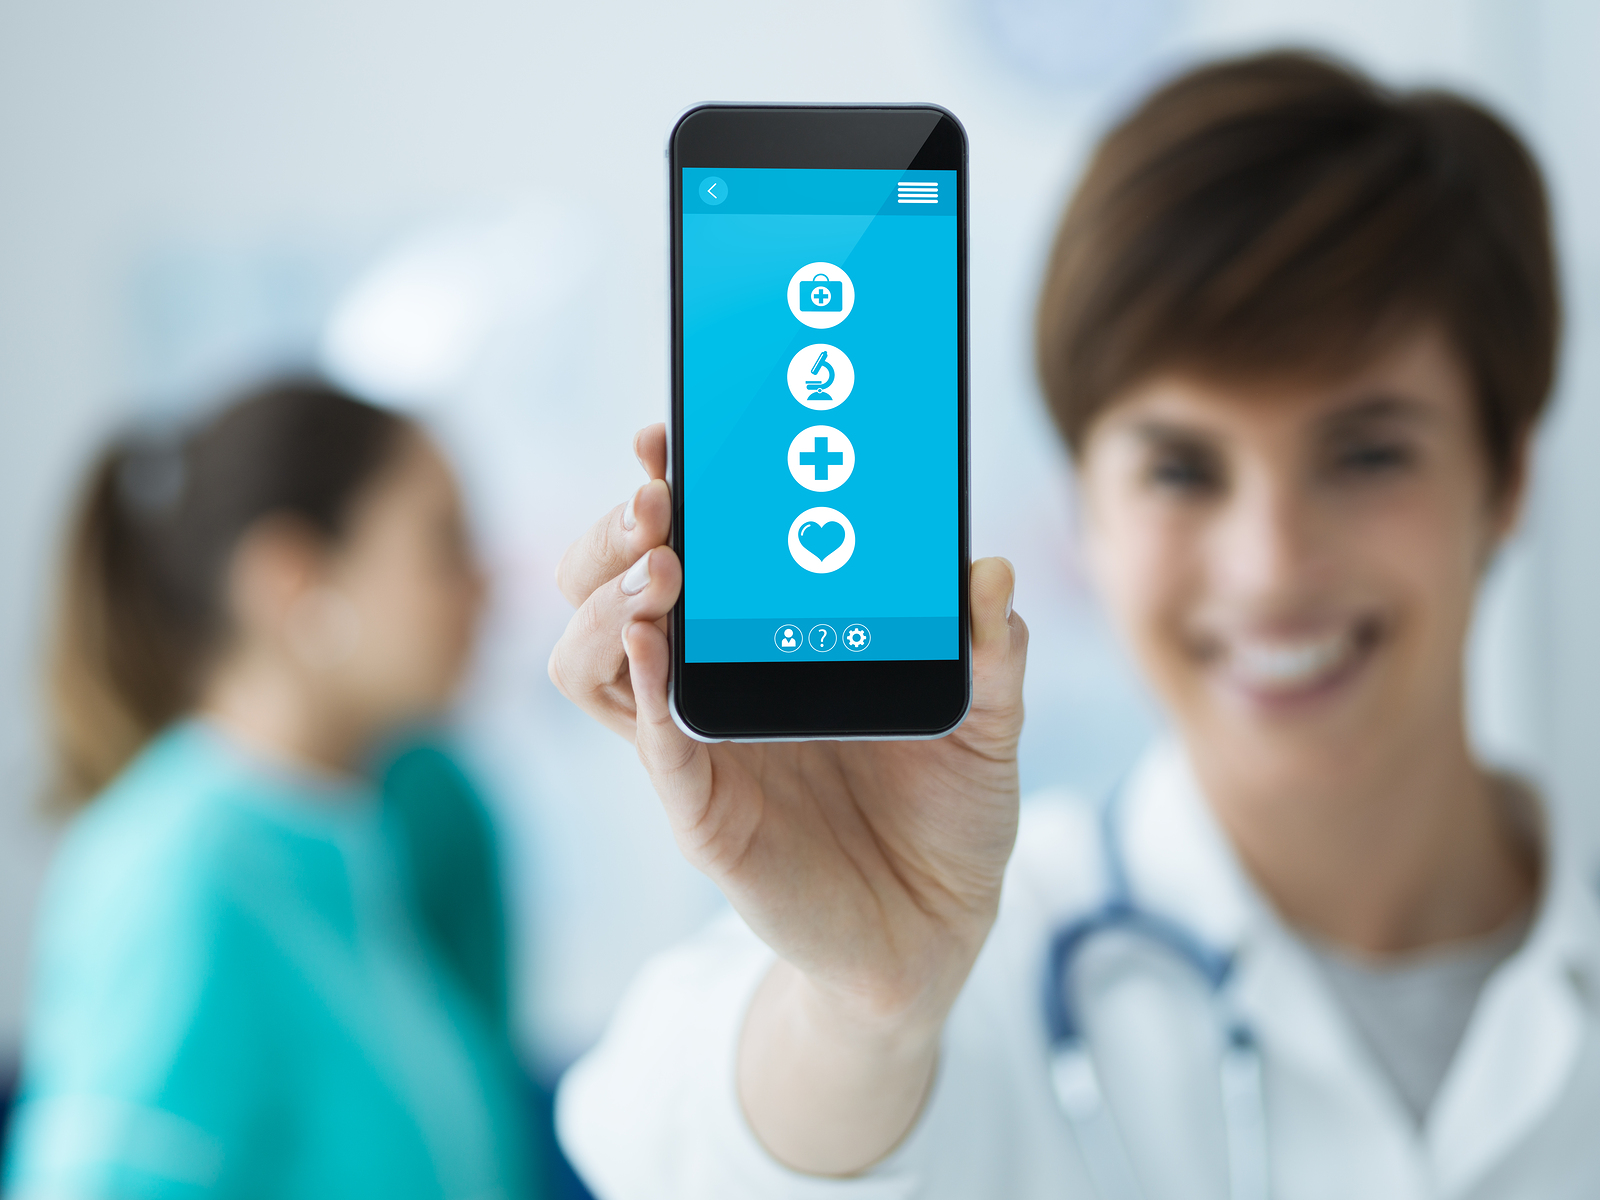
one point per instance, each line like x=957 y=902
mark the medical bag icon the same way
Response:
x=821 y=294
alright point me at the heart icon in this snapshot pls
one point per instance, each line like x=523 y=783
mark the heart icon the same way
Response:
x=822 y=540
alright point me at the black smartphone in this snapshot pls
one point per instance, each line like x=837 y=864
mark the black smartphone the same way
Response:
x=818 y=449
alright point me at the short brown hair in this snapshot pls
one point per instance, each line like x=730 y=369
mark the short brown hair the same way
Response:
x=1281 y=213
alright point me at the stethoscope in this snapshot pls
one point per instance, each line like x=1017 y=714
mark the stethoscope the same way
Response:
x=1073 y=1075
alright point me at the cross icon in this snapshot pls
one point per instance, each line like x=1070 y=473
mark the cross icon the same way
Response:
x=820 y=458
x=820 y=296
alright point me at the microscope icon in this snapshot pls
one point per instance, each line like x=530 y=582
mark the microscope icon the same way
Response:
x=818 y=387
x=821 y=376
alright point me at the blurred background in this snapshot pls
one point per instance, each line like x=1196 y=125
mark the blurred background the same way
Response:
x=461 y=209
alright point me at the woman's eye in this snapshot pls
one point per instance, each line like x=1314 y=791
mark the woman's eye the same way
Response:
x=1183 y=473
x=1374 y=458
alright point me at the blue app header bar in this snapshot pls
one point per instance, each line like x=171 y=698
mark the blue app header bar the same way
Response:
x=711 y=191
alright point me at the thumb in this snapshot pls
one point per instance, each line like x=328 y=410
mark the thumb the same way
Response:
x=994 y=583
x=999 y=653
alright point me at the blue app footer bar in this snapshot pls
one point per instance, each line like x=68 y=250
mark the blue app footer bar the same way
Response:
x=828 y=638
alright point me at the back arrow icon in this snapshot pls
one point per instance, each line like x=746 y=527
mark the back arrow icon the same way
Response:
x=709 y=190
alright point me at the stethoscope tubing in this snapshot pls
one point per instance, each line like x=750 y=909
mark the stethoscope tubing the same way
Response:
x=1074 y=1078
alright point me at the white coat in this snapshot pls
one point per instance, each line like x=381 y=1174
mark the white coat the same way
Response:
x=653 y=1110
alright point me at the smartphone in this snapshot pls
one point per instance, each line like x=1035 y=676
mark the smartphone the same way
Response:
x=818 y=448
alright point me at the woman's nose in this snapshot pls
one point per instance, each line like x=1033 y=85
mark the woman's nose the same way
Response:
x=1266 y=547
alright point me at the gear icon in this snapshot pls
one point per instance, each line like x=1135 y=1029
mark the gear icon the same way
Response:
x=856 y=637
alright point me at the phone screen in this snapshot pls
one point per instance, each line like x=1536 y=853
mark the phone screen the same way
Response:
x=821 y=419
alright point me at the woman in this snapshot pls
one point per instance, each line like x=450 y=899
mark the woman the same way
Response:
x=261 y=972
x=1297 y=331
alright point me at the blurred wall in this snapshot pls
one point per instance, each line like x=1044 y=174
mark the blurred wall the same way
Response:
x=188 y=188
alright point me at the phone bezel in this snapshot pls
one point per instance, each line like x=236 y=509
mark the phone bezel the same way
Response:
x=847 y=699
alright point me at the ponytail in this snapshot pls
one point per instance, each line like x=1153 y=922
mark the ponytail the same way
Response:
x=116 y=673
x=141 y=610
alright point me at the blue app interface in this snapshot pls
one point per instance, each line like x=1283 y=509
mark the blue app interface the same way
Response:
x=820 y=415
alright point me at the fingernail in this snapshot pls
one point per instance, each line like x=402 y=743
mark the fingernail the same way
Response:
x=1009 y=599
x=628 y=519
x=638 y=577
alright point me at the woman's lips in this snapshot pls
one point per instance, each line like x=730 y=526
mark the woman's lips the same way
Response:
x=1285 y=668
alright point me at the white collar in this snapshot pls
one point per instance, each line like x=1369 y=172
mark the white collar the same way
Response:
x=1179 y=860
x=1525 y=1036
x=1523 y=1039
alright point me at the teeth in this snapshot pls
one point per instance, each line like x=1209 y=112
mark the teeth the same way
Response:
x=1288 y=664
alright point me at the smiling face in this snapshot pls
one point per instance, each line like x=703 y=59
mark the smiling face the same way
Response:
x=1295 y=565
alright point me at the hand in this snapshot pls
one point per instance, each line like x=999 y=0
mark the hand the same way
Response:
x=873 y=869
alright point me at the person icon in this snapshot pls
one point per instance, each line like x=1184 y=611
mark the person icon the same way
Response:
x=787 y=638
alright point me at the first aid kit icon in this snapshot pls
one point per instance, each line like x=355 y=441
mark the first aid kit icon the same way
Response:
x=821 y=295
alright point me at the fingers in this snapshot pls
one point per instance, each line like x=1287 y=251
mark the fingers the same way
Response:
x=627 y=531
x=615 y=542
x=588 y=663
x=999 y=655
x=650 y=448
x=619 y=573
x=679 y=766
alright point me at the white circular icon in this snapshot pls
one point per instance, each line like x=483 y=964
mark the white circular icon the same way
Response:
x=821 y=377
x=788 y=638
x=821 y=458
x=857 y=637
x=822 y=540
x=822 y=638
x=821 y=295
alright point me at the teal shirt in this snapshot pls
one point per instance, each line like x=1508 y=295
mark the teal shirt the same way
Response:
x=250 y=983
